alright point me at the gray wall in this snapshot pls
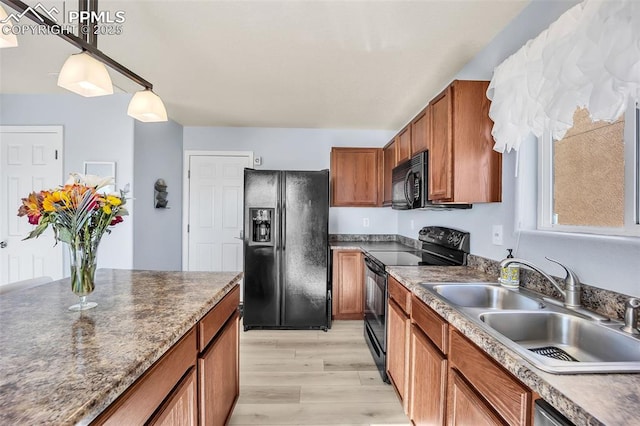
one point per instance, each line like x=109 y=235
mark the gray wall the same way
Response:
x=157 y=233
x=301 y=149
x=95 y=129
x=606 y=262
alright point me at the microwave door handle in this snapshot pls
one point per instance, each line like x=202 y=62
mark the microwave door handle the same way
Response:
x=406 y=192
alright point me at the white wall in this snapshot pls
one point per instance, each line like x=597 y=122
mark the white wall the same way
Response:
x=610 y=263
x=157 y=243
x=95 y=129
x=301 y=149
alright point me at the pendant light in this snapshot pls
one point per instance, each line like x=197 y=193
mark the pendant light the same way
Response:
x=147 y=107
x=9 y=39
x=86 y=76
x=85 y=73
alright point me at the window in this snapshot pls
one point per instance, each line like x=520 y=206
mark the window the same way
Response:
x=589 y=179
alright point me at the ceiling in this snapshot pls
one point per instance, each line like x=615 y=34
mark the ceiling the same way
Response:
x=312 y=64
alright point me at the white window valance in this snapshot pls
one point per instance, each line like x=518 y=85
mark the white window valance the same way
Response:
x=588 y=58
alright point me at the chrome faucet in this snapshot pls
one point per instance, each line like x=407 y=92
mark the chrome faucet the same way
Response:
x=571 y=295
x=631 y=316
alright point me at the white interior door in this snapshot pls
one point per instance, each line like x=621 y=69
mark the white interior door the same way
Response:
x=215 y=211
x=30 y=160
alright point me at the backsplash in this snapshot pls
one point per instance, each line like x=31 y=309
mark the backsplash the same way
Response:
x=604 y=302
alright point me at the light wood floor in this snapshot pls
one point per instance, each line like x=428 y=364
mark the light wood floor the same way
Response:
x=312 y=378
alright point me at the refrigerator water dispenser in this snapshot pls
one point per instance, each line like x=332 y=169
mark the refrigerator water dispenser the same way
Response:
x=261 y=229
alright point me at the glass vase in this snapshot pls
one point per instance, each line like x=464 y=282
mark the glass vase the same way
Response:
x=83 y=260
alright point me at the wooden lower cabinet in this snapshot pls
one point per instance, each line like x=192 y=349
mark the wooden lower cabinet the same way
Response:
x=397 y=353
x=428 y=381
x=451 y=380
x=465 y=406
x=181 y=408
x=218 y=368
x=500 y=390
x=347 y=285
x=194 y=383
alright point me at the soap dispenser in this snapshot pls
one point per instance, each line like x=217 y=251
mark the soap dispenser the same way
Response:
x=510 y=275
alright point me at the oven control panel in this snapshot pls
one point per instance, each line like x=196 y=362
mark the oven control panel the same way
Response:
x=445 y=237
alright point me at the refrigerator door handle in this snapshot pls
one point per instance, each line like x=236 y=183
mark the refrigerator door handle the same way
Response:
x=284 y=226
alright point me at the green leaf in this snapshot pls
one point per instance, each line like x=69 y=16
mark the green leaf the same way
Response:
x=64 y=235
x=37 y=230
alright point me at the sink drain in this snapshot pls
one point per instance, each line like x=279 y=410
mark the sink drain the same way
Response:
x=553 y=352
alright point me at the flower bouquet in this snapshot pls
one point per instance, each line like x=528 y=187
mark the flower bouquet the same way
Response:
x=79 y=216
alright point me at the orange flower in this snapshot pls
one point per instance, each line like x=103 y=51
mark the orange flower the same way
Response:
x=31 y=206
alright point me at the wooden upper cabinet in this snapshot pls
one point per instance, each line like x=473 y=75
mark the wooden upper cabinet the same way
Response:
x=463 y=167
x=403 y=142
x=389 y=161
x=356 y=177
x=421 y=131
x=441 y=150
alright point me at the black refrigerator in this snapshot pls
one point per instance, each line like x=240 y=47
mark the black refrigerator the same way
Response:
x=286 y=215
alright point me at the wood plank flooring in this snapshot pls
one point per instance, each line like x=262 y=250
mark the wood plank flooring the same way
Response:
x=312 y=378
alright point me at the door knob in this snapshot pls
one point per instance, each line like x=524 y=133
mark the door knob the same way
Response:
x=3 y=244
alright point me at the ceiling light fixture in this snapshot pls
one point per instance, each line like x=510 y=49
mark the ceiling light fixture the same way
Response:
x=87 y=76
x=7 y=38
x=147 y=107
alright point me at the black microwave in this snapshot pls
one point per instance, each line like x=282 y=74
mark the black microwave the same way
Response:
x=409 y=182
x=410 y=186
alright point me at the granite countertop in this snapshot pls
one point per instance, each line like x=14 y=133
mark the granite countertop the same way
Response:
x=62 y=367
x=585 y=399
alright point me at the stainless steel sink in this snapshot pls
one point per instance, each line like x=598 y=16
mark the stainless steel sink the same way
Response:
x=485 y=296
x=565 y=343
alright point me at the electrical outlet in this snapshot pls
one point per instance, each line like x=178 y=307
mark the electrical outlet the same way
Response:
x=496 y=235
x=365 y=222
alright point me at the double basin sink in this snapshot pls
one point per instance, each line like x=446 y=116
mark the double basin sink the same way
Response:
x=553 y=338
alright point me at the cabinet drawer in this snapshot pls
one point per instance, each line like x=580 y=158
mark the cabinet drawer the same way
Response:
x=432 y=324
x=400 y=295
x=213 y=321
x=510 y=398
x=140 y=401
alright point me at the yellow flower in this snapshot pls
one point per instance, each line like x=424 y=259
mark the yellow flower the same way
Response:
x=106 y=208
x=50 y=200
x=113 y=200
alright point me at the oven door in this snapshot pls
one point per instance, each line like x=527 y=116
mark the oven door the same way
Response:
x=375 y=310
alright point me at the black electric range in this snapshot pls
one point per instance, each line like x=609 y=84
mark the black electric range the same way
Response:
x=440 y=247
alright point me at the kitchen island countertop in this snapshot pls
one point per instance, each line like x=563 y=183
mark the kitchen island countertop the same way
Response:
x=586 y=399
x=62 y=367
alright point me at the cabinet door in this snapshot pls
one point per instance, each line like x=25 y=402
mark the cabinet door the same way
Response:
x=218 y=368
x=441 y=148
x=389 y=159
x=398 y=351
x=356 y=177
x=181 y=409
x=508 y=397
x=428 y=381
x=403 y=140
x=420 y=131
x=465 y=407
x=348 y=285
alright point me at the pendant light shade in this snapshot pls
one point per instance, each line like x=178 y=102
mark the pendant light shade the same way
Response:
x=147 y=107
x=9 y=39
x=86 y=76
